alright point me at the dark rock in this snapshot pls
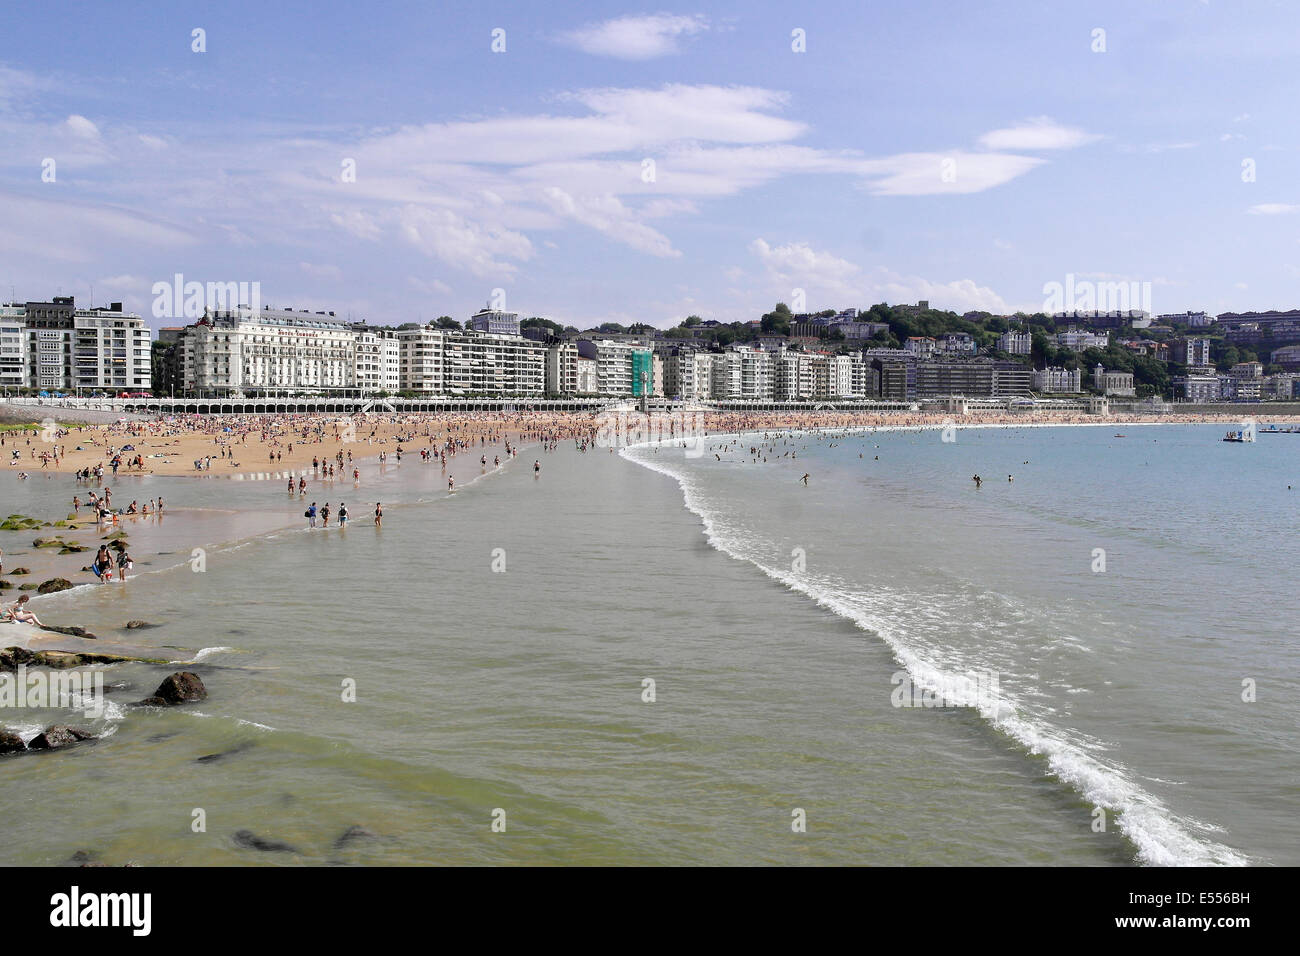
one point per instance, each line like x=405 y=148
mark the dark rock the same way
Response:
x=251 y=841
x=352 y=833
x=180 y=687
x=83 y=857
x=59 y=736
x=52 y=585
x=6 y=585
x=59 y=660
x=70 y=629
x=27 y=587
x=11 y=657
x=20 y=571
x=237 y=749
x=11 y=743
x=136 y=625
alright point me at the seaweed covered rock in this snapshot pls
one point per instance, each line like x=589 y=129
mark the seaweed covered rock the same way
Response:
x=52 y=585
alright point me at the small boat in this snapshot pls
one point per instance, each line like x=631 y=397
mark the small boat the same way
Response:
x=1236 y=437
x=1118 y=435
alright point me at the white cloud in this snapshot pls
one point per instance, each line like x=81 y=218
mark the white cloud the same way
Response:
x=80 y=126
x=636 y=38
x=832 y=282
x=924 y=174
x=475 y=247
x=1273 y=209
x=607 y=214
x=1039 y=133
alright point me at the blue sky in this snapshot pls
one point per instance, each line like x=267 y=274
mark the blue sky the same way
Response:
x=773 y=170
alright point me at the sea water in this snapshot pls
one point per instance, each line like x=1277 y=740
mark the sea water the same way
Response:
x=662 y=657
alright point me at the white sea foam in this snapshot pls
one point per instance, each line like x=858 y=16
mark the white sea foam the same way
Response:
x=1160 y=836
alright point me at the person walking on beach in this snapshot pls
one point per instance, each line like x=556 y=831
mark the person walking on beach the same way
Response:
x=451 y=483
x=343 y=514
x=537 y=467
x=978 y=480
x=310 y=514
x=804 y=479
x=124 y=564
x=325 y=515
x=379 y=514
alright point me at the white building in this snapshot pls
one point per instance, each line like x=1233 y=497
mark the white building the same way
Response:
x=1016 y=343
x=614 y=365
x=1076 y=340
x=588 y=379
x=86 y=350
x=923 y=347
x=271 y=351
x=1114 y=383
x=377 y=355
x=420 y=353
x=494 y=321
x=562 y=369
x=1056 y=379
x=13 y=347
x=1192 y=352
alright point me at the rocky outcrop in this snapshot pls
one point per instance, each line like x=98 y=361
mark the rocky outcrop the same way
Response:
x=179 y=688
x=52 y=585
x=11 y=743
x=136 y=625
x=251 y=841
x=57 y=736
x=12 y=657
x=72 y=630
x=22 y=523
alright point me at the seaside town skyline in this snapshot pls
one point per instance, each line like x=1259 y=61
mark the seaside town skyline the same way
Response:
x=899 y=353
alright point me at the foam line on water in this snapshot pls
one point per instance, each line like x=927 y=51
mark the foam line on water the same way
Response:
x=1160 y=837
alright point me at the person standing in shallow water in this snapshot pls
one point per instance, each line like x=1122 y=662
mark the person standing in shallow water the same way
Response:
x=379 y=514
x=325 y=515
x=343 y=514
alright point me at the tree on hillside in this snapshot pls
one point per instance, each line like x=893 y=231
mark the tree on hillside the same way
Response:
x=775 y=323
x=537 y=322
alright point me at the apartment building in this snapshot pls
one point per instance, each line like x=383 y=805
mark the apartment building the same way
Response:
x=85 y=350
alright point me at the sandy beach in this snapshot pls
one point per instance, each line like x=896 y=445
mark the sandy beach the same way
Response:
x=204 y=446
